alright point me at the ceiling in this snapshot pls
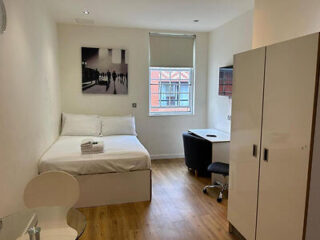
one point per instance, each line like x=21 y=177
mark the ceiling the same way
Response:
x=151 y=14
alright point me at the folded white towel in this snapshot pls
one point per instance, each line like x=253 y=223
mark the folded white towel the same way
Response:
x=87 y=142
x=93 y=147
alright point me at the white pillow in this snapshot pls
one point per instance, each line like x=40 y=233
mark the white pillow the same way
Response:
x=80 y=125
x=118 y=126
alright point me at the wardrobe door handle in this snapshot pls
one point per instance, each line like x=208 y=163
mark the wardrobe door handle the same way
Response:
x=254 y=150
x=266 y=154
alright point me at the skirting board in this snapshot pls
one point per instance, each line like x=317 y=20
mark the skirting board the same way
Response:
x=114 y=188
x=166 y=156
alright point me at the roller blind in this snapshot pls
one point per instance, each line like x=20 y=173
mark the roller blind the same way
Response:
x=171 y=50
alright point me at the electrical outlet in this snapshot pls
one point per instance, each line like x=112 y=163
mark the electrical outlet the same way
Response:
x=134 y=105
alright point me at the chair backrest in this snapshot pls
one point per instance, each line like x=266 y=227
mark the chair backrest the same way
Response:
x=52 y=189
x=197 y=151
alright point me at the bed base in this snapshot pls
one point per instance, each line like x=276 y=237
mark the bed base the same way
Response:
x=114 y=188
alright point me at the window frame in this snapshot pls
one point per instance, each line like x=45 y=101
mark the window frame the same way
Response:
x=191 y=92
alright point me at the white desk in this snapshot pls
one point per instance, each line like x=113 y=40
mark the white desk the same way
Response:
x=212 y=135
x=220 y=146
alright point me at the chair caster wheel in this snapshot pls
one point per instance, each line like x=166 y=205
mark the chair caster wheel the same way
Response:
x=204 y=191
x=219 y=199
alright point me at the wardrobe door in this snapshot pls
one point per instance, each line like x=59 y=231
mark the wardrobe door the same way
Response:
x=247 y=97
x=289 y=97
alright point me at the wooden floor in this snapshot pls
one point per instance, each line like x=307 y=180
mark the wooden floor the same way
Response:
x=178 y=210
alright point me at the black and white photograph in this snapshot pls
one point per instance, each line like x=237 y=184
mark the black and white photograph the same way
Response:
x=104 y=71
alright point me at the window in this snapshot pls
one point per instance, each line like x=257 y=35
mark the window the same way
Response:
x=170 y=90
x=225 y=81
x=171 y=74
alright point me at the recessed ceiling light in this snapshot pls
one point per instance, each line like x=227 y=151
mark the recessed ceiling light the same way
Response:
x=86 y=12
x=196 y=20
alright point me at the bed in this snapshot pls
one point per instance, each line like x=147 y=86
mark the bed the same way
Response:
x=121 y=174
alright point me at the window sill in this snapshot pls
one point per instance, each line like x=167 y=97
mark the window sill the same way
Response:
x=168 y=114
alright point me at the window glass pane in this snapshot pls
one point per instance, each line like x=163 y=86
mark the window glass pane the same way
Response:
x=165 y=74
x=175 y=87
x=154 y=88
x=153 y=82
x=170 y=90
x=185 y=75
x=184 y=97
x=155 y=100
x=155 y=74
x=174 y=103
x=184 y=88
x=184 y=103
x=175 y=75
x=164 y=103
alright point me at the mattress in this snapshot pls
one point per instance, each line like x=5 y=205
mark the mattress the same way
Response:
x=121 y=154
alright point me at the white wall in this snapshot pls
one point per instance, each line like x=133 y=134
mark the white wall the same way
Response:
x=29 y=97
x=160 y=135
x=225 y=41
x=276 y=21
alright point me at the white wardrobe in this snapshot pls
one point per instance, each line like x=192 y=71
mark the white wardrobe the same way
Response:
x=273 y=137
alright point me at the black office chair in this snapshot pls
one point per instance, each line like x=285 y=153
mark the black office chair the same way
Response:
x=218 y=168
x=198 y=154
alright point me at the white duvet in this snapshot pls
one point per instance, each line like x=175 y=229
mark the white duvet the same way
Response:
x=121 y=154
